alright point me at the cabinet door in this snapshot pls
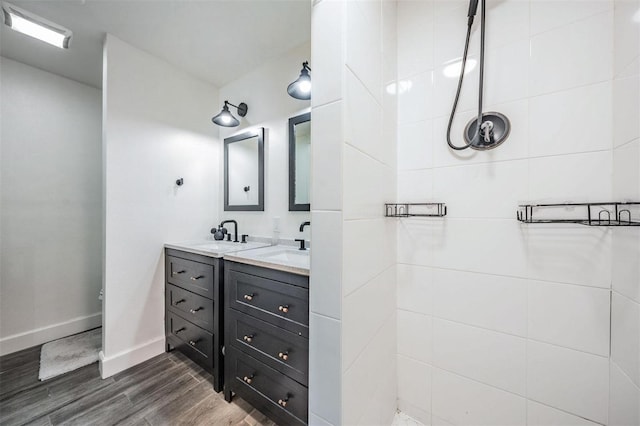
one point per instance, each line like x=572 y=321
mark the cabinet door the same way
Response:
x=278 y=303
x=285 y=351
x=193 y=276
x=191 y=306
x=198 y=342
x=266 y=388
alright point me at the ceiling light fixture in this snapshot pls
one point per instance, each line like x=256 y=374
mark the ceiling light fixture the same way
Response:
x=301 y=88
x=34 y=26
x=226 y=119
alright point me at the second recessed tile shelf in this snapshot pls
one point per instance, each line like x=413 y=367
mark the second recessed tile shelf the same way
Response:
x=590 y=214
x=415 y=210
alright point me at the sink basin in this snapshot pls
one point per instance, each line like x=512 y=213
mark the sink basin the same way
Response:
x=294 y=256
x=217 y=245
x=214 y=248
x=280 y=257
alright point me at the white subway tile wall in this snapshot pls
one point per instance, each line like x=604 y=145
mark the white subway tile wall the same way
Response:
x=499 y=322
x=325 y=282
x=353 y=270
x=477 y=318
x=624 y=381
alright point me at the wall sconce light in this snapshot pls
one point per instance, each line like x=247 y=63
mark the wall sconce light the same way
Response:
x=226 y=119
x=301 y=88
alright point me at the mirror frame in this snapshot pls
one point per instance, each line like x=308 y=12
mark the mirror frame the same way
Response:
x=293 y=207
x=259 y=133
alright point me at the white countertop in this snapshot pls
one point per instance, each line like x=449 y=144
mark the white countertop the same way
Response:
x=280 y=257
x=214 y=248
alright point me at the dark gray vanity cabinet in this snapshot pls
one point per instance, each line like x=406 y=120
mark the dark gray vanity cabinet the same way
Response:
x=193 y=309
x=267 y=340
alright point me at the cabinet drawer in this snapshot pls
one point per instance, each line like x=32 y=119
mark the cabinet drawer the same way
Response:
x=285 y=351
x=195 y=308
x=198 y=340
x=190 y=275
x=282 y=304
x=278 y=391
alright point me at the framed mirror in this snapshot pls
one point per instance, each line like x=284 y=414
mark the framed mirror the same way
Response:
x=300 y=162
x=244 y=172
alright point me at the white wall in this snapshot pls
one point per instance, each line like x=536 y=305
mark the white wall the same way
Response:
x=157 y=128
x=264 y=90
x=624 y=402
x=353 y=331
x=50 y=223
x=499 y=322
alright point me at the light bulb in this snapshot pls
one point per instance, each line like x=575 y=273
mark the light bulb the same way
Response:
x=305 y=86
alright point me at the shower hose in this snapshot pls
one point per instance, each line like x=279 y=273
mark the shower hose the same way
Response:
x=480 y=85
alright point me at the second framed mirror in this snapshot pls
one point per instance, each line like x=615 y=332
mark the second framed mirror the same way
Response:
x=300 y=162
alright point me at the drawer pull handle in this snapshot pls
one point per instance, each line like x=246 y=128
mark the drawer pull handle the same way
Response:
x=248 y=379
x=193 y=311
x=248 y=297
x=283 y=402
x=248 y=338
x=179 y=330
x=178 y=272
x=283 y=308
x=179 y=302
x=196 y=278
x=193 y=342
x=283 y=355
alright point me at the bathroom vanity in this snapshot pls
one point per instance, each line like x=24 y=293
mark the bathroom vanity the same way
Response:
x=241 y=311
x=194 y=302
x=267 y=331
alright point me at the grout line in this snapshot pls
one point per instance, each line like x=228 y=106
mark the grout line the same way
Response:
x=434 y=367
x=567 y=24
x=366 y=88
x=624 y=373
x=526 y=339
x=317 y=415
x=505 y=276
x=478 y=381
x=389 y=166
x=366 y=347
x=329 y=103
x=625 y=144
x=609 y=354
x=564 y=411
x=327 y=317
x=613 y=290
x=508 y=101
x=365 y=219
x=369 y=281
x=511 y=160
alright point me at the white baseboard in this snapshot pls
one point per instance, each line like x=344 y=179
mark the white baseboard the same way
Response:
x=127 y=359
x=38 y=336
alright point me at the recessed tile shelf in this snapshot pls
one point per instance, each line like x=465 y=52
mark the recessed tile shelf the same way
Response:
x=415 y=210
x=591 y=214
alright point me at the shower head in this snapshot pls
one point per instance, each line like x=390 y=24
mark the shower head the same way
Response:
x=473 y=8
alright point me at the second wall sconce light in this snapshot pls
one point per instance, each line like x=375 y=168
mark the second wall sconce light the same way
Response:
x=226 y=119
x=301 y=88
